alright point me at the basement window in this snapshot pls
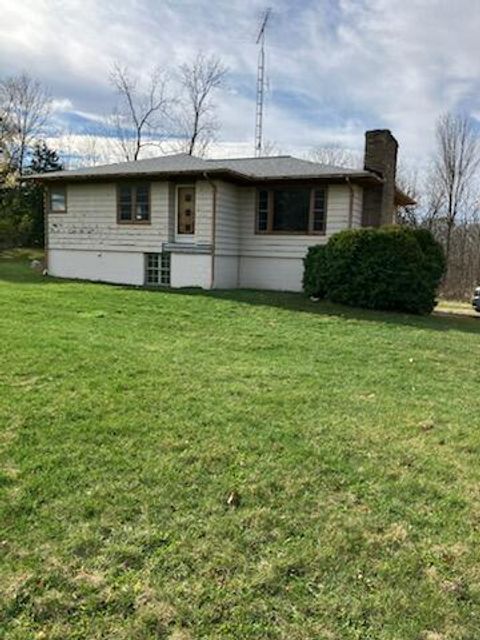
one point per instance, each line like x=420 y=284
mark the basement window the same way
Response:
x=157 y=269
x=297 y=210
x=133 y=203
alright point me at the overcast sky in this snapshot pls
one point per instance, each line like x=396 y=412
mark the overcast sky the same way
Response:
x=335 y=67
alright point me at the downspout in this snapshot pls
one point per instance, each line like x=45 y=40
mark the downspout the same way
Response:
x=350 y=204
x=45 y=228
x=214 y=222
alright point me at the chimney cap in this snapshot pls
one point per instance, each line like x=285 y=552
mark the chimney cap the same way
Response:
x=381 y=133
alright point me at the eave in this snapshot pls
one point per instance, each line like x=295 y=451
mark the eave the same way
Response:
x=402 y=199
x=362 y=177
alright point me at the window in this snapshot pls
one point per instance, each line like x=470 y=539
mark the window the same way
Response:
x=133 y=203
x=291 y=210
x=294 y=210
x=157 y=269
x=262 y=220
x=318 y=211
x=58 y=200
x=186 y=210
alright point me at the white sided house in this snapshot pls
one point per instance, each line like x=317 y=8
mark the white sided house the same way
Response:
x=182 y=221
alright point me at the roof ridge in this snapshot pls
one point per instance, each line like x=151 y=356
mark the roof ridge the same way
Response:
x=248 y=158
x=140 y=160
x=330 y=166
x=182 y=154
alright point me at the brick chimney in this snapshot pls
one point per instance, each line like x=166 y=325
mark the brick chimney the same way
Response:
x=381 y=158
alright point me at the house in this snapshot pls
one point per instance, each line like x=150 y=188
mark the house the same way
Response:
x=182 y=221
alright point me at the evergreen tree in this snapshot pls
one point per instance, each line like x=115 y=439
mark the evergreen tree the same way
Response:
x=43 y=160
x=22 y=212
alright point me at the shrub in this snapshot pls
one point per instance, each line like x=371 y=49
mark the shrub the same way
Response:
x=436 y=262
x=392 y=268
x=314 y=271
x=15 y=225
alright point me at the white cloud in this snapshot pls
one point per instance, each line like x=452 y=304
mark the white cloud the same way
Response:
x=61 y=105
x=336 y=68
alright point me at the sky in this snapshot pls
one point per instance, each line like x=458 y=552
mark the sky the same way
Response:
x=335 y=68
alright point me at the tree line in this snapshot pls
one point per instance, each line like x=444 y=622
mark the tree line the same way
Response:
x=174 y=105
x=175 y=110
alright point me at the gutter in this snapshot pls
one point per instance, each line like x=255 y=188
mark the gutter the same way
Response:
x=350 y=204
x=73 y=176
x=214 y=223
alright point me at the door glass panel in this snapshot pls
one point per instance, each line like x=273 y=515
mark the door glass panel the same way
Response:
x=186 y=210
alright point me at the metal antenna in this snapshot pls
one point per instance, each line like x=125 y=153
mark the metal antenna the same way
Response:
x=260 y=84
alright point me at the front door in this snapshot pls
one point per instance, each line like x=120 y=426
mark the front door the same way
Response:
x=185 y=213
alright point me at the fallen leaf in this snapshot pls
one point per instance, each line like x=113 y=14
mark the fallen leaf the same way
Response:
x=233 y=499
x=427 y=425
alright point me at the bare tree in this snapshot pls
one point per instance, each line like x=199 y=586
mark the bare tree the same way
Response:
x=433 y=198
x=6 y=134
x=92 y=151
x=456 y=162
x=86 y=149
x=336 y=156
x=270 y=148
x=196 y=116
x=407 y=181
x=6 y=130
x=25 y=106
x=141 y=114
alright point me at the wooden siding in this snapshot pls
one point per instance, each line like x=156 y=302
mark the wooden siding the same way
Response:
x=90 y=222
x=357 y=206
x=227 y=225
x=204 y=212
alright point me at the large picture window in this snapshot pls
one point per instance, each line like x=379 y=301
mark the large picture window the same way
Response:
x=293 y=210
x=133 y=203
x=57 y=200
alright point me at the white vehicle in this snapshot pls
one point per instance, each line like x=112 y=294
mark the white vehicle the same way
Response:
x=476 y=299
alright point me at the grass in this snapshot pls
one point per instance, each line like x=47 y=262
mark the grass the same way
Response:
x=457 y=307
x=129 y=416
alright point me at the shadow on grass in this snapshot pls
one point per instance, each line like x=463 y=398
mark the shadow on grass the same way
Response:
x=19 y=272
x=438 y=321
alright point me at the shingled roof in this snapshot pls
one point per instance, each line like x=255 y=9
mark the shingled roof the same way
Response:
x=268 y=168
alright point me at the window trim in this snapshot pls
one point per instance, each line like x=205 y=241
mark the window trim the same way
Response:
x=177 y=188
x=49 y=200
x=134 y=186
x=310 y=231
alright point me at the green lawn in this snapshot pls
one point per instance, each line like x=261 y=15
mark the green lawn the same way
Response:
x=129 y=416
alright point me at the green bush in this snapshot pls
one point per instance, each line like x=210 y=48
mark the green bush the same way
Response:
x=436 y=262
x=16 y=220
x=314 y=283
x=392 y=268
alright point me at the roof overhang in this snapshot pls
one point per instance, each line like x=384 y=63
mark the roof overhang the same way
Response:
x=361 y=177
x=139 y=175
x=402 y=199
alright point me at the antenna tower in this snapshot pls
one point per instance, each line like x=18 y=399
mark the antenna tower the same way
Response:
x=260 y=84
